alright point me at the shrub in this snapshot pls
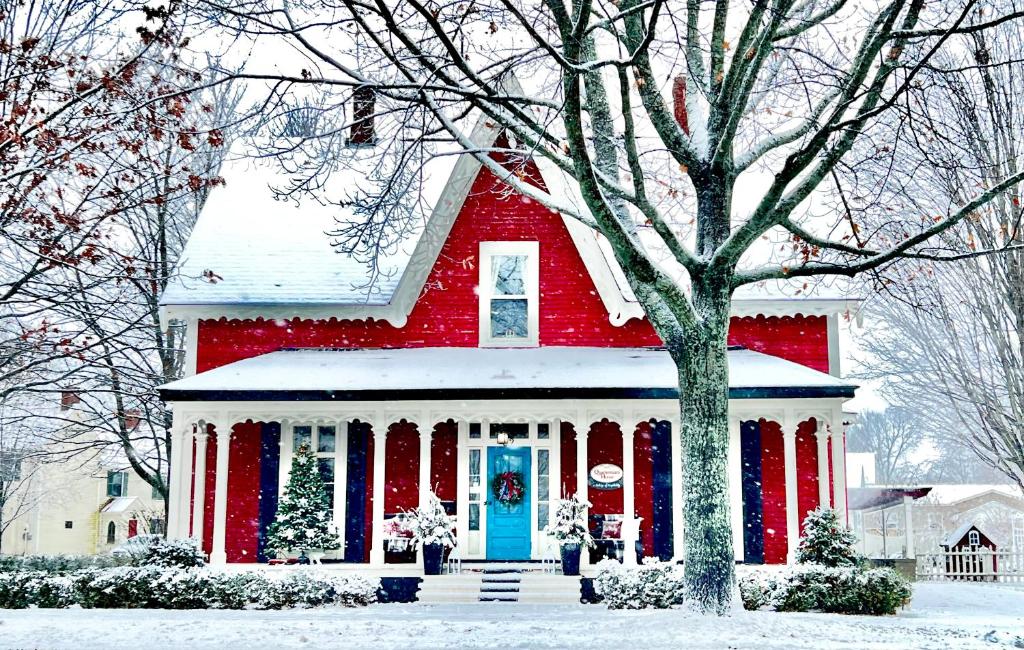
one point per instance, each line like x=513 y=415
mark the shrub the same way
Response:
x=837 y=590
x=34 y=588
x=657 y=585
x=183 y=553
x=59 y=563
x=826 y=541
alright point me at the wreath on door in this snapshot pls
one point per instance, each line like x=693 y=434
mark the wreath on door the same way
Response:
x=509 y=488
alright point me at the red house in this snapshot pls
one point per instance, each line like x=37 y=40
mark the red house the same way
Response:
x=499 y=321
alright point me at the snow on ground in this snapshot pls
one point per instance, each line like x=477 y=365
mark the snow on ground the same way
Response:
x=942 y=616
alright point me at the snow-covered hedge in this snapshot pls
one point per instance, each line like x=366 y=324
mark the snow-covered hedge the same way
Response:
x=838 y=590
x=180 y=588
x=653 y=584
x=184 y=553
x=60 y=563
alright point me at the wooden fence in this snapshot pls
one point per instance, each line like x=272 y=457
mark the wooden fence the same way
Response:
x=981 y=565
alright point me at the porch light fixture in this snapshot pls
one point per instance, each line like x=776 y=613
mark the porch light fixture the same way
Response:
x=503 y=439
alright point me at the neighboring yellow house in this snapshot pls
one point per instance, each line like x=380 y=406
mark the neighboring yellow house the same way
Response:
x=75 y=508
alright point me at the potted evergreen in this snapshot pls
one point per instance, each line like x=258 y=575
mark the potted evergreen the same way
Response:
x=432 y=530
x=303 y=520
x=571 y=532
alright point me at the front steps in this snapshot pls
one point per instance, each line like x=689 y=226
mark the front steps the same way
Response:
x=496 y=584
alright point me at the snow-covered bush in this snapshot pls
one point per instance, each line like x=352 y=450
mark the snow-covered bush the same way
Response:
x=826 y=541
x=183 y=553
x=430 y=524
x=155 y=587
x=570 y=525
x=838 y=590
x=59 y=563
x=653 y=584
x=22 y=589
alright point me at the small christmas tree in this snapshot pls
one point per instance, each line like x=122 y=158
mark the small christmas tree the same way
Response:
x=303 y=520
x=826 y=541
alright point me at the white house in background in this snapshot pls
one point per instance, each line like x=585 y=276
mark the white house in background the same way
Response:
x=76 y=505
x=880 y=514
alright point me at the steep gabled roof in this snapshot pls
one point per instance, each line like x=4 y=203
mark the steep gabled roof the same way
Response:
x=252 y=255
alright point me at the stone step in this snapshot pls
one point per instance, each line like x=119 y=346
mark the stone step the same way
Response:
x=498 y=599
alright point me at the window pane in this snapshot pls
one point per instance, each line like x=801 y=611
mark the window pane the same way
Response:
x=325 y=439
x=474 y=463
x=474 y=516
x=542 y=430
x=508 y=319
x=542 y=462
x=514 y=430
x=302 y=436
x=474 y=429
x=326 y=466
x=542 y=515
x=507 y=275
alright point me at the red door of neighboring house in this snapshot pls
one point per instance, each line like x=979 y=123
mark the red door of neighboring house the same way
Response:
x=133 y=528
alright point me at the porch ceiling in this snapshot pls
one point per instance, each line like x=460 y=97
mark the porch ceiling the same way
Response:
x=489 y=373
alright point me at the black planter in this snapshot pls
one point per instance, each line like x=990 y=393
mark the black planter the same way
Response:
x=433 y=556
x=571 y=559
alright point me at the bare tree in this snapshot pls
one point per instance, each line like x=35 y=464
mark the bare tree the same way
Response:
x=777 y=99
x=949 y=343
x=892 y=436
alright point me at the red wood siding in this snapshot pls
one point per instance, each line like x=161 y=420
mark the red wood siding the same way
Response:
x=643 y=485
x=243 y=511
x=806 y=468
x=444 y=461
x=773 y=493
x=604 y=445
x=402 y=460
x=567 y=458
x=211 y=490
x=368 y=525
x=446 y=315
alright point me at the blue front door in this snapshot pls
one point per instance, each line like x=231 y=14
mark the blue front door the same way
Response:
x=508 y=526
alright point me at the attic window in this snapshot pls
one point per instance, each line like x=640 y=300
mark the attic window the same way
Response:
x=974 y=538
x=363 y=99
x=509 y=294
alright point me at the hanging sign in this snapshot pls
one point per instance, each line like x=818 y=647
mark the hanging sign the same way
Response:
x=605 y=477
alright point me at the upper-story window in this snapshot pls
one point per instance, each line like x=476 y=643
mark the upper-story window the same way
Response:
x=973 y=538
x=509 y=290
x=117 y=484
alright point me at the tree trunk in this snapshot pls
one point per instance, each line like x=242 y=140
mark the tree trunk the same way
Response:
x=703 y=364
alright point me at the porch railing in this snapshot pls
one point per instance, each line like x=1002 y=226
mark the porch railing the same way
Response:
x=979 y=565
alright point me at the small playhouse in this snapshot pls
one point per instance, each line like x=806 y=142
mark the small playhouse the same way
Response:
x=970 y=554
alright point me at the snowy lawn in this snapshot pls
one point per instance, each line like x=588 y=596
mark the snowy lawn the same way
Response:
x=942 y=616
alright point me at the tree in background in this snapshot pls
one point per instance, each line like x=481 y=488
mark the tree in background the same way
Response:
x=105 y=160
x=303 y=520
x=949 y=337
x=892 y=435
x=751 y=174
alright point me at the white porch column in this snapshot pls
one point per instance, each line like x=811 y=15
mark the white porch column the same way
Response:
x=284 y=469
x=426 y=431
x=823 y=486
x=174 y=481
x=675 y=445
x=554 y=466
x=628 y=500
x=380 y=441
x=789 y=427
x=839 y=471
x=340 y=481
x=582 y=431
x=218 y=554
x=908 y=525
x=736 y=488
x=426 y=437
x=199 y=502
x=462 y=489
x=184 y=495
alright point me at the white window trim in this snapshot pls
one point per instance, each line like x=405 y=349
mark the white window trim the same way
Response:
x=531 y=250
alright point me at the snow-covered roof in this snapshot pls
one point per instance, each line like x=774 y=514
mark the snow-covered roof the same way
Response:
x=119 y=504
x=253 y=255
x=953 y=493
x=551 y=372
x=958 y=534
